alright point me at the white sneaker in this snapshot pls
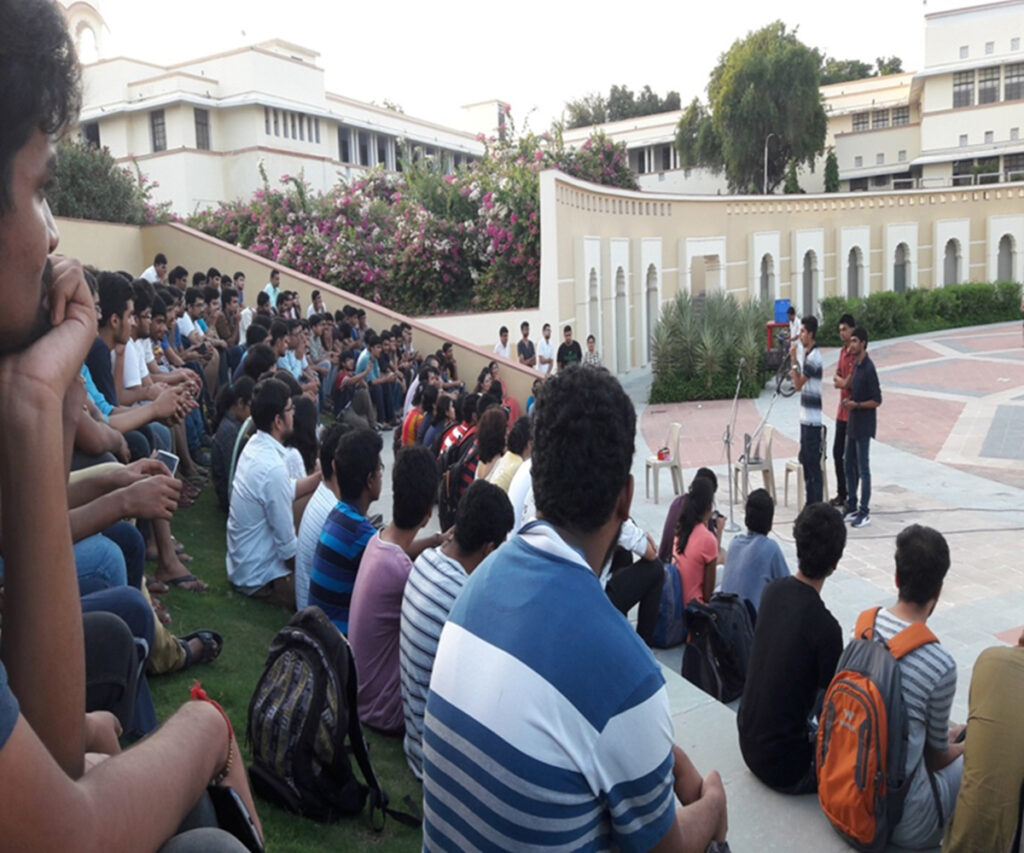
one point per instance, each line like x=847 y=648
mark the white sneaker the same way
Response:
x=851 y=516
x=863 y=519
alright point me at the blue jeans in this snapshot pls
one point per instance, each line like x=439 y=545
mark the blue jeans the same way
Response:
x=810 y=458
x=858 y=469
x=112 y=558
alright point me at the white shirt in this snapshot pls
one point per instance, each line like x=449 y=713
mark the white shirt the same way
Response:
x=186 y=325
x=151 y=275
x=134 y=364
x=633 y=538
x=407 y=406
x=501 y=349
x=146 y=347
x=313 y=518
x=244 y=321
x=545 y=349
x=520 y=494
x=261 y=528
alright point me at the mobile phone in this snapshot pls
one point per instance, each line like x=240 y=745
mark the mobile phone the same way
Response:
x=169 y=459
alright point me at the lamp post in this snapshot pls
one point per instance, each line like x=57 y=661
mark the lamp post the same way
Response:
x=769 y=136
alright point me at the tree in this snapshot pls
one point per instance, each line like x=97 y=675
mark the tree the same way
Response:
x=843 y=70
x=621 y=103
x=792 y=185
x=763 y=92
x=88 y=184
x=888 y=65
x=831 y=172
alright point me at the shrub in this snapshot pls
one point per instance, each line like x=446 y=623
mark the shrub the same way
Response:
x=889 y=315
x=696 y=355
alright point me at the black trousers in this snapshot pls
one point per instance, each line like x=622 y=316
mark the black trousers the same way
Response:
x=838 y=451
x=636 y=583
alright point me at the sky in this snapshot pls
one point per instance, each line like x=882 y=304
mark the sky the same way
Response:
x=432 y=58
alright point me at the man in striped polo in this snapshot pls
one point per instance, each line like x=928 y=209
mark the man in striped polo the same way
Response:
x=547 y=721
x=807 y=380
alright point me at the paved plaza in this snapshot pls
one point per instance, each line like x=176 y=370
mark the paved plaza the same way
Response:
x=949 y=454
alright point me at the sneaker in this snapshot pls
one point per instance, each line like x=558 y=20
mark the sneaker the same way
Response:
x=863 y=519
x=851 y=516
x=838 y=502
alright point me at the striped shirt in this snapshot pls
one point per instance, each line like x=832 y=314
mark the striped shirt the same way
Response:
x=929 y=684
x=810 y=394
x=430 y=592
x=547 y=721
x=336 y=561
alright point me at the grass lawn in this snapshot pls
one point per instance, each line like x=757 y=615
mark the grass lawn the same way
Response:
x=248 y=627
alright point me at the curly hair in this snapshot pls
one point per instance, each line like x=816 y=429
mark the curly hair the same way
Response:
x=583 y=435
x=39 y=79
x=820 y=536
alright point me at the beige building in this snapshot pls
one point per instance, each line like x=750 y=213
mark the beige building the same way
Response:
x=956 y=122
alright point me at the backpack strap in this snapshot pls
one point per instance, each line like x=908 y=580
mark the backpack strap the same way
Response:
x=865 y=629
x=378 y=796
x=912 y=637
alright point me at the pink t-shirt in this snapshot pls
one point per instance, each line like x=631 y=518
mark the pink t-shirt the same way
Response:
x=701 y=549
x=373 y=629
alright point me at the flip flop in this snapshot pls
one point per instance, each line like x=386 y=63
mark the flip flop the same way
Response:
x=181 y=580
x=212 y=643
x=155 y=587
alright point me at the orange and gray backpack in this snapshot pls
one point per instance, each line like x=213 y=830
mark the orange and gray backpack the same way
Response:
x=862 y=738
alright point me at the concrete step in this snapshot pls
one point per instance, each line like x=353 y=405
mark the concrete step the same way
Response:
x=759 y=818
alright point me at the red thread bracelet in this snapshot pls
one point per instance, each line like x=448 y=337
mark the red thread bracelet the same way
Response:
x=200 y=695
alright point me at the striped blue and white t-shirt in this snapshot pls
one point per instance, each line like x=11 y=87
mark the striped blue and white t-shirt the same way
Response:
x=336 y=561
x=810 y=394
x=433 y=585
x=547 y=721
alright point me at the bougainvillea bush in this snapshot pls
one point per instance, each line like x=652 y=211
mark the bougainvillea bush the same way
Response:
x=422 y=241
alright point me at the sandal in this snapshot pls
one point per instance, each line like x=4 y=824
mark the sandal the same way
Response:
x=212 y=643
x=155 y=587
x=182 y=580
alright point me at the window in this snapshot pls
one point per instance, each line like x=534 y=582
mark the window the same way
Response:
x=988 y=85
x=202 y=118
x=861 y=121
x=284 y=124
x=963 y=51
x=988 y=170
x=963 y=89
x=880 y=118
x=879 y=159
x=858 y=161
x=990 y=47
x=900 y=116
x=989 y=137
x=880 y=181
x=963 y=173
x=158 y=130
x=1013 y=165
x=902 y=155
x=382 y=150
x=316 y=128
x=364 y=148
x=277 y=126
x=1015 y=44
x=963 y=140
x=91 y=133
x=1014 y=134
x=266 y=120
x=666 y=157
x=1013 y=82
x=859 y=185
x=292 y=115
x=344 y=145
x=302 y=128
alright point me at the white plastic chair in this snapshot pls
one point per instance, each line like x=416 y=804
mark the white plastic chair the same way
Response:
x=760 y=460
x=672 y=463
x=793 y=466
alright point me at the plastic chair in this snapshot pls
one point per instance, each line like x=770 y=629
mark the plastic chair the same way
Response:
x=672 y=463
x=794 y=466
x=761 y=460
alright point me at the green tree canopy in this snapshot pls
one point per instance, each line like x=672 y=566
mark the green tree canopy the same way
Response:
x=831 y=172
x=841 y=70
x=620 y=103
x=765 y=87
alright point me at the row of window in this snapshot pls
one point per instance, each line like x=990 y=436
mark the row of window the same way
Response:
x=363 y=148
x=990 y=137
x=291 y=125
x=901 y=157
x=985 y=170
x=653 y=158
x=990 y=48
x=158 y=130
x=982 y=85
x=870 y=119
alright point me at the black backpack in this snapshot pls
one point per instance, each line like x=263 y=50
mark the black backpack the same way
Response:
x=455 y=482
x=717 y=650
x=303 y=722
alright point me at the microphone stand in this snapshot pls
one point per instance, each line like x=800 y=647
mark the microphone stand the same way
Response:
x=732 y=526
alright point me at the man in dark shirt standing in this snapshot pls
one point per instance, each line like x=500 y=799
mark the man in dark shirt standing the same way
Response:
x=524 y=349
x=865 y=397
x=797 y=644
x=569 y=352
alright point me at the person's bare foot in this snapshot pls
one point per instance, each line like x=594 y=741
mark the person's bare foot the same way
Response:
x=175 y=574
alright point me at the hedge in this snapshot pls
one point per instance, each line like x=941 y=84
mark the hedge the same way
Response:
x=892 y=315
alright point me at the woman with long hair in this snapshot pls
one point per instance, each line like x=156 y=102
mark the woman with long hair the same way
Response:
x=696 y=547
x=444 y=417
x=303 y=437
